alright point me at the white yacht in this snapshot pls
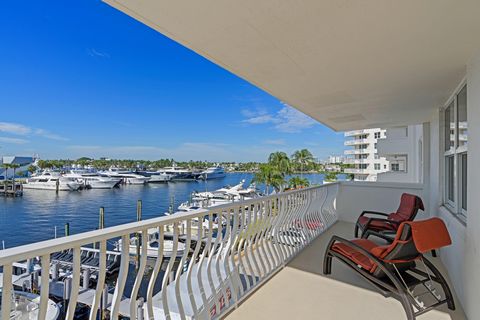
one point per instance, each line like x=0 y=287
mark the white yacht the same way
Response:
x=178 y=173
x=126 y=175
x=25 y=306
x=221 y=196
x=50 y=180
x=216 y=172
x=152 y=249
x=156 y=176
x=92 y=179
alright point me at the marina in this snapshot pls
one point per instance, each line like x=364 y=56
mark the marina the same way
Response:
x=42 y=214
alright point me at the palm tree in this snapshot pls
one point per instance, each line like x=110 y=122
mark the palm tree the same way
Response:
x=302 y=157
x=270 y=176
x=281 y=161
x=298 y=182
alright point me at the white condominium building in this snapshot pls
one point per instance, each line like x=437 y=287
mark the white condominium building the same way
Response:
x=403 y=149
x=363 y=154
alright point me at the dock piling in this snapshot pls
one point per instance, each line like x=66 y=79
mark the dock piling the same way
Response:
x=67 y=229
x=139 y=218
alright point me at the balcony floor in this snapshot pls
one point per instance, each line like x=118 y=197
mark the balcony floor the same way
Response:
x=301 y=291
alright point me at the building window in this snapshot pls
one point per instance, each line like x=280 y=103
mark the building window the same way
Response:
x=377 y=166
x=375 y=146
x=377 y=135
x=395 y=167
x=376 y=156
x=455 y=133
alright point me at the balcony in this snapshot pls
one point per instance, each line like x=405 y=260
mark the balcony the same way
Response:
x=355 y=133
x=355 y=161
x=269 y=244
x=356 y=151
x=356 y=171
x=354 y=142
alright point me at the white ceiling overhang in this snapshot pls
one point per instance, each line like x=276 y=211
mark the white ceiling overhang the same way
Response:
x=348 y=64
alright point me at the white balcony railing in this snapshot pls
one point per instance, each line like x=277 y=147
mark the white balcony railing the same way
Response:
x=353 y=142
x=229 y=251
x=355 y=161
x=356 y=151
x=356 y=171
x=355 y=133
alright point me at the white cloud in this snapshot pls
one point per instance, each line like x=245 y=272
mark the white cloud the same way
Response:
x=47 y=134
x=287 y=119
x=97 y=53
x=13 y=140
x=14 y=128
x=275 y=142
x=20 y=129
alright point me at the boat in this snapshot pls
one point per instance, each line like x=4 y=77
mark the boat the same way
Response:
x=221 y=196
x=178 y=173
x=216 y=172
x=51 y=180
x=126 y=175
x=156 y=176
x=153 y=243
x=93 y=180
x=26 y=306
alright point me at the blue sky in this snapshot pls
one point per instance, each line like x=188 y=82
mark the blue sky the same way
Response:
x=83 y=79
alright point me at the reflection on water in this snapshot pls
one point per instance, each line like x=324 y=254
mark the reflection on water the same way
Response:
x=33 y=217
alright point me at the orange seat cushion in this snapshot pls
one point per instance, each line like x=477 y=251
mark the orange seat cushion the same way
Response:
x=356 y=256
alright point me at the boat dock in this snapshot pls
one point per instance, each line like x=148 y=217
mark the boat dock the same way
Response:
x=8 y=189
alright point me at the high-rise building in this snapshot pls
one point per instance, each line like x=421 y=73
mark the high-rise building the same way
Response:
x=363 y=154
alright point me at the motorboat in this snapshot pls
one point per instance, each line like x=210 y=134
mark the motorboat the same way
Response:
x=93 y=180
x=26 y=306
x=126 y=175
x=178 y=173
x=153 y=243
x=156 y=176
x=51 y=180
x=219 y=197
x=216 y=172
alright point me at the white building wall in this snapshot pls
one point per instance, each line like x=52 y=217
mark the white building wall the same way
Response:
x=365 y=160
x=404 y=146
x=462 y=258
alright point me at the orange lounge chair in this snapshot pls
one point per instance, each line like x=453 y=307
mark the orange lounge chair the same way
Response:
x=394 y=269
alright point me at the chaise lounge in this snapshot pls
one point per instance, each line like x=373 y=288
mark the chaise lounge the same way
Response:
x=399 y=269
x=385 y=225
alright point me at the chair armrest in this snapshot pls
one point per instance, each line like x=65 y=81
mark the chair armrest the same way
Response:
x=373 y=212
x=370 y=220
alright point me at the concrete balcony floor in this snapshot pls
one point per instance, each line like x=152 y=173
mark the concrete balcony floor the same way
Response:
x=301 y=291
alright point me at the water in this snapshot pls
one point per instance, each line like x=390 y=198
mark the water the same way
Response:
x=33 y=217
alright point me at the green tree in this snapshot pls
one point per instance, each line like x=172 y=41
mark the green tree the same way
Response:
x=270 y=176
x=302 y=157
x=298 y=182
x=280 y=161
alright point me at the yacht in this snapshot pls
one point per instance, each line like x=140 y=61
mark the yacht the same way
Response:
x=216 y=172
x=93 y=180
x=156 y=176
x=152 y=249
x=178 y=173
x=49 y=180
x=126 y=175
x=221 y=196
x=26 y=306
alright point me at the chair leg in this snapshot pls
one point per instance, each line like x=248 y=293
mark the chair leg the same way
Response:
x=327 y=263
x=443 y=283
x=355 y=233
x=407 y=306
